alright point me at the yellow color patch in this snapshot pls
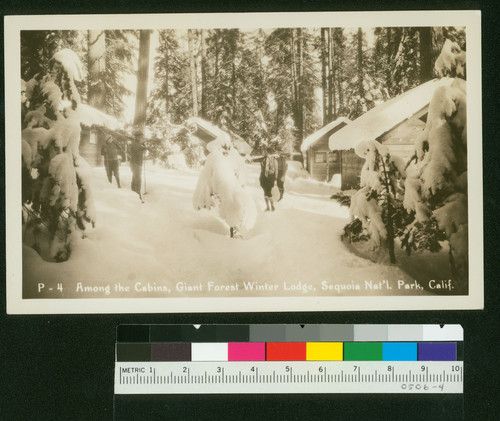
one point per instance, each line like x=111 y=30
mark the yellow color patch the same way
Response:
x=324 y=351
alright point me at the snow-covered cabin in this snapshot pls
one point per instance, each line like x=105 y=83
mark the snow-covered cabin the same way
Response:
x=94 y=125
x=395 y=123
x=207 y=132
x=321 y=163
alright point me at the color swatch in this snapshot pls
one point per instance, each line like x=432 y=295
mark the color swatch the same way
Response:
x=289 y=343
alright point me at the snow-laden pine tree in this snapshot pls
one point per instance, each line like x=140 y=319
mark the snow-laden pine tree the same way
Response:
x=436 y=186
x=375 y=208
x=425 y=203
x=221 y=185
x=190 y=146
x=57 y=198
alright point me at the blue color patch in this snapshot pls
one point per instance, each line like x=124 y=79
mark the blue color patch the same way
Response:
x=399 y=351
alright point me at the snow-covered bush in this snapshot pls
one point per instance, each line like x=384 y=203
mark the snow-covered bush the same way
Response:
x=221 y=184
x=425 y=202
x=436 y=187
x=377 y=204
x=191 y=147
x=59 y=195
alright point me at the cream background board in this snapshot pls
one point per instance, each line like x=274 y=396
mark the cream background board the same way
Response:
x=14 y=24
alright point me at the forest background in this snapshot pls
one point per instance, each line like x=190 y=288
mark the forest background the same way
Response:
x=255 y=83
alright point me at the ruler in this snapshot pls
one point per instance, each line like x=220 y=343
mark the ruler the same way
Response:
x=273 y=377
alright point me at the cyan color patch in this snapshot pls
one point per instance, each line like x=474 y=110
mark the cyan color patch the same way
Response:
x=399 y=351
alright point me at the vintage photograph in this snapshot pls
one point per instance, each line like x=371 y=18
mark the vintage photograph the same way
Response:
x=244 y=164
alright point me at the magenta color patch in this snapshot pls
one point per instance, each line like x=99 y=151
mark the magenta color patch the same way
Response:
x=247 y=351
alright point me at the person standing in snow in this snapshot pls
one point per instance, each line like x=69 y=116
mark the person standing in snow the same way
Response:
x=280 y=180
x=268 y=174
x=110 y=152
x=136 y=160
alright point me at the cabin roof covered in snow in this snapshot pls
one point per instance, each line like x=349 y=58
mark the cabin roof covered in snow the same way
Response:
x=206 y=126
x=313 y=138
x=240 y=144
x=90 y=116
x=385 y=116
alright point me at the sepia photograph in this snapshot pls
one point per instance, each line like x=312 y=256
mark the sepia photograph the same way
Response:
x=246 y=162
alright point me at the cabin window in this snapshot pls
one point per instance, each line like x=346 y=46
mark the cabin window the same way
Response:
x=320 y=157
x=93 y=137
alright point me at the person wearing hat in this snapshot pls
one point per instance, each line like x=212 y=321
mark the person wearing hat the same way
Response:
x=110 y=152
x=268 y=174
x=137 y=149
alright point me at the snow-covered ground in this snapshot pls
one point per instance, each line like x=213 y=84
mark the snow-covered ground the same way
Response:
x=165 y=248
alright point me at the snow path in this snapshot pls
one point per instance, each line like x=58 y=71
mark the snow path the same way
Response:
x=164 y=243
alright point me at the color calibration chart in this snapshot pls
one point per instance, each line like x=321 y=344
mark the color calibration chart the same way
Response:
x=269 y=359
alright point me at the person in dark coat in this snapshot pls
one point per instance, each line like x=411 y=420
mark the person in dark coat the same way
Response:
x=110 y=152
x=136 y=160
x=268 y=174
x=280 y=180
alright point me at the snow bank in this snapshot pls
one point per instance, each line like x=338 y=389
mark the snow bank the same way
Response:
x=296 y=170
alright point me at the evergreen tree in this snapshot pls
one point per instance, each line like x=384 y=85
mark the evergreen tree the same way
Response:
x=293 y=79
x=378 y=204
x=58 y=201
x=365 y=88
x=171 y=96
x=225 y=50
x=38 y=47
x=424 y=202
x=121 y=48
x=436 y=186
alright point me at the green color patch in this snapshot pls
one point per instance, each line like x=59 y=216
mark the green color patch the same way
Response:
x=363 y=351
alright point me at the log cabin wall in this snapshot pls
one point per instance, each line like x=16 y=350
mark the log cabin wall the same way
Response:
x=401 y=138
x=90 y=146
x=322 y=162
x=351 y=165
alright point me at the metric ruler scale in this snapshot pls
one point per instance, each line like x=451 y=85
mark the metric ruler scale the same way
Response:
x=280 y=359
x=289 y=377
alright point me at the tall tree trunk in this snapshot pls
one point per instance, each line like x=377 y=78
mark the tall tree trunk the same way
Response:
x=194 y=88
x=301 y=89
x=141 y=97
x=333 y=100
x=360 y=69
x=97 y=67
x=203 y=75
x=233 y=84
x=425 y=54
x=166 y=89
x=339 y=42
x=294 y=79
x=324 y=84
x=388 y=71
x=330 y=67
x=215 y=85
